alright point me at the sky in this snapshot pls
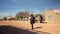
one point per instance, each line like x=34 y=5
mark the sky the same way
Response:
x=11 y=7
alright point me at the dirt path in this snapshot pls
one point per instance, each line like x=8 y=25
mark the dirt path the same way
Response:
x=41 y=28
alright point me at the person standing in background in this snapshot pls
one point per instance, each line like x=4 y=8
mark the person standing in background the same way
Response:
x=41 y=19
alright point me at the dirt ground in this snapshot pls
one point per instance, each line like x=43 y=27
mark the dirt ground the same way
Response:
x=40 y=28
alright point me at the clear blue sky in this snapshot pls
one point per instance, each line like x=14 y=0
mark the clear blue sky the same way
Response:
x=11 y=7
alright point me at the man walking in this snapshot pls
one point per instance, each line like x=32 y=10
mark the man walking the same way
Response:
x=32 y=20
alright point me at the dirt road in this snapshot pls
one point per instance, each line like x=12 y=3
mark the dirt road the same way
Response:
x=41 y=28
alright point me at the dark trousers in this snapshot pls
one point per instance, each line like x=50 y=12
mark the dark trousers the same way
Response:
x=32 y=26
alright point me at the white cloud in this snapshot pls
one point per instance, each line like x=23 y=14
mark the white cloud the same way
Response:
x=57 y=10
x=4 y=14
x=8 y=13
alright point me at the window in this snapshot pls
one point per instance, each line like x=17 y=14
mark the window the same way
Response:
x=50 y=17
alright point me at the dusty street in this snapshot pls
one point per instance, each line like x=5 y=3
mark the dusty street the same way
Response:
x=41 y=28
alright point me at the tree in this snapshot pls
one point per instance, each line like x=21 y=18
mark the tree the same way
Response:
x=4 y=18
x=22 y=14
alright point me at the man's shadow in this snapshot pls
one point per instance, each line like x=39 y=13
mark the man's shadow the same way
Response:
x=37 y=27
x=40 y=32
